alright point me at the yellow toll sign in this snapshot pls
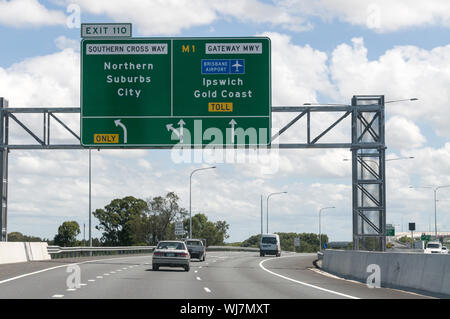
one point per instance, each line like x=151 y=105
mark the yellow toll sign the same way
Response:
x=220 y=107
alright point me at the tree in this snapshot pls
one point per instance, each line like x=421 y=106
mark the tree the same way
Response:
x=67 y=234
x=309 y=242
x=163 y=212
x=202 y=228
x=19 y=237
x=118 y=220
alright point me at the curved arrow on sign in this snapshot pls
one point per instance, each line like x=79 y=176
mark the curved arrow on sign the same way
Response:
x=118 y=123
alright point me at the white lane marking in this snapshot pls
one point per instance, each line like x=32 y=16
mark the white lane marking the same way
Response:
x=106 y=274
x=300 y=282
x=124 y=268
x=112 y=272
x=91 y=280
x=198 y=278
x=66 y=265
x=196 y=271
x=119 y=270
x=207 y=289
x=200 y=267
x=83 y=285
x=57 y=296
x=99 y=277
x=71 y=289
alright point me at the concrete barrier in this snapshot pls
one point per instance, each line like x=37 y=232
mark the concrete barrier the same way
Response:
x=16 y=252
x=410 y=271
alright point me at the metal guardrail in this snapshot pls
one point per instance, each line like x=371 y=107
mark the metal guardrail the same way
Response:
x=83 y=251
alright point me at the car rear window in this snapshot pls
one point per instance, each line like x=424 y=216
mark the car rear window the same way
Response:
x=433 y=246
x=269 y=240
x=194 y=243
x=170 y=245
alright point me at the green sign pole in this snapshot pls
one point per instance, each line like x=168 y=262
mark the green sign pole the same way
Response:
x=175 y=91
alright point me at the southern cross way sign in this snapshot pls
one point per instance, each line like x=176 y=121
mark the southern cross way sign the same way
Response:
x=175 y=91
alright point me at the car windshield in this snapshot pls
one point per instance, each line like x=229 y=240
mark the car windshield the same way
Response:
x=170 y=245
x=194 y=243
x=269 y=240
x=433 y=246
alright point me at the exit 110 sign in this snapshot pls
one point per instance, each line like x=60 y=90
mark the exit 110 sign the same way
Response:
x=160 y=92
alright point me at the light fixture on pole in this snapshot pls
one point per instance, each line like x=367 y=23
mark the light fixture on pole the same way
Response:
x=320 y=230
x=435 y=189
x=267 y=207
x=190 y=196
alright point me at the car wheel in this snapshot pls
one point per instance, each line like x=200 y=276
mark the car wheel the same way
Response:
x=155 y=268
x=261 y=254
x=204 y=258
x=186 y=268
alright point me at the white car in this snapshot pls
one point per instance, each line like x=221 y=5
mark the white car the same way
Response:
x=171 y=253
x=433 y=247
x=444 y=250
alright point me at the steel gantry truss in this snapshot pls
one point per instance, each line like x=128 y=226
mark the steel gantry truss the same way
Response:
x=367 y=146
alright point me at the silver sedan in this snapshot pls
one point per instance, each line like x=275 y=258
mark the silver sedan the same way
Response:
x=171 y=254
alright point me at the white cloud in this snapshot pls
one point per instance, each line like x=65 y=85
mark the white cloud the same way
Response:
x=169 y=17
x=50 y=80
x=28 y=13
x=401 y=72
x=380 y=15
x=63 y=42
x=402 y=133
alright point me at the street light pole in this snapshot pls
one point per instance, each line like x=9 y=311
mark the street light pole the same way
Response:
x=261 y=215
x=320 y=230
x=190 y=196
x=267 y=207
x=435 y=189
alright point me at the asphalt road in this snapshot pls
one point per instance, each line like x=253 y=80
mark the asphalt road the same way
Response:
x=233 y=275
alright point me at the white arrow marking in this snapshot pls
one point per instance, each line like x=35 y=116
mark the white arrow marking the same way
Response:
x=181 y=123
x=170 y=128
x=232 y=123
x=118 y=123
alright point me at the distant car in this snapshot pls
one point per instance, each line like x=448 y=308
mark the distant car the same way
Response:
x=444 y=250
x=171 y=254
x=270 y=245
x=433 y=247
x=196 y=248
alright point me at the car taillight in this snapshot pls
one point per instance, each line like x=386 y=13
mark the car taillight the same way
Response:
x=182 y=254
x=158 y=254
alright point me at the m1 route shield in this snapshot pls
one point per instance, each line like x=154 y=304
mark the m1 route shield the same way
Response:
x=160 y=92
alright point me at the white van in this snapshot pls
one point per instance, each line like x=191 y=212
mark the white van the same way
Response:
x=270 y=245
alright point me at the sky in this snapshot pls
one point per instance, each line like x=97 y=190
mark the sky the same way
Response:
x=323 y=51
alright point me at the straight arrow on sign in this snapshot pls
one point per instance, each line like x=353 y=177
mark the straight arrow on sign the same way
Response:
x=232 y=123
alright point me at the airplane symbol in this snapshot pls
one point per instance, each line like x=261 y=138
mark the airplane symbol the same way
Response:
x=237 y=66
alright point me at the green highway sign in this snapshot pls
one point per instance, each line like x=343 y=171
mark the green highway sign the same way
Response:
x=175 y=91
x=390 y=230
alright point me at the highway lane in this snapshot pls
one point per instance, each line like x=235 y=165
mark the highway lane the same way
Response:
x=234 y=275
